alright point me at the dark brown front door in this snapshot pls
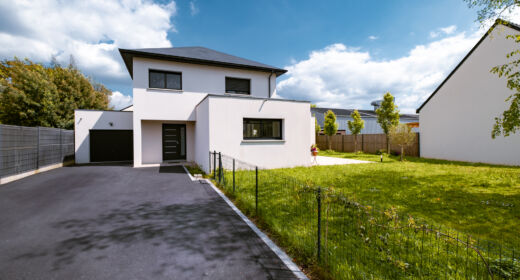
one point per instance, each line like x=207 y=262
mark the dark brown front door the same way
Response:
x=174 y=141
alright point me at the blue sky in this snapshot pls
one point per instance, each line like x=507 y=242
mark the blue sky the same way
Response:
x=338 y=53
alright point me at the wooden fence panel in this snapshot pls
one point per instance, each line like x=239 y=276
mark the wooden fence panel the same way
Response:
x=368 y=143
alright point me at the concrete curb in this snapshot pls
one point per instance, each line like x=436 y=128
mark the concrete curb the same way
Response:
x=279 y=252
x=19 y=176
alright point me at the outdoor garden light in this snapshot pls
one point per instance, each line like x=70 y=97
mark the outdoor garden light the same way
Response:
x=381 y=157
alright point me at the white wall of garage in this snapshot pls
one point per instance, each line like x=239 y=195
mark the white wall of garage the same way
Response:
x=85 y=120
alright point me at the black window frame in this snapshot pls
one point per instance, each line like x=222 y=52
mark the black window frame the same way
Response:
x=244 y=124
x=150 y=71
x=234 y=92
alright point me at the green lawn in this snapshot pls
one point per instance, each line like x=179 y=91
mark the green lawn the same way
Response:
x=366 y=230
x=478 y=199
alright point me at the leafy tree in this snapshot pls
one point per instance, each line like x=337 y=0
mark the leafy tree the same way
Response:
x=317 y=127
x=387 y=116
x=403 y=136
x=330 y=127
x=34 y=95
x=509 y=122
x=492 y=9
x=355 y=126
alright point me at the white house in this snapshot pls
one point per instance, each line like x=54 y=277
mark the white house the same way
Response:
x=457 y=119
x=189 y=101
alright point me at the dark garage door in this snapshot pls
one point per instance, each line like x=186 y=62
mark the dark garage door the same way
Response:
x=111 y=145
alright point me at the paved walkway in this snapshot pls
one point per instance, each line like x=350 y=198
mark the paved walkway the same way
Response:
x=335 y=161
x=117 y=222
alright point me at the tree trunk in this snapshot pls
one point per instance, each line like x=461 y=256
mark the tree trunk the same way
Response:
x=402 y=152
x=355 y=143
x=328 y=142
x=387 y=144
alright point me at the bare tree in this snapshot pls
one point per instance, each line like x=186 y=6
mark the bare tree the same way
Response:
x=402 y=135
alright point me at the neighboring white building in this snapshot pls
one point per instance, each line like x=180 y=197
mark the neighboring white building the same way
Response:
x=457 y=119
x=192 y=100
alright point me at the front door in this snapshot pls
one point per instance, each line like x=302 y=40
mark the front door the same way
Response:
x=174 y=141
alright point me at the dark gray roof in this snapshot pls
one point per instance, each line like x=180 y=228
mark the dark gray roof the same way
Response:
x=363 y=113
x=197 y=55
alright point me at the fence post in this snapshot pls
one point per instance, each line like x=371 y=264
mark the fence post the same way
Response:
x=256 y=189
x=219 y=167
x=342 y=143
x=233 y=175
x=61 y=149
x=362 y=143
x=209 y=162
x=214 y=165
x=318 y=197
x=38 y=150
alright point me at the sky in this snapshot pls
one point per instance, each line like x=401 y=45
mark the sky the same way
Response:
x=339 y=54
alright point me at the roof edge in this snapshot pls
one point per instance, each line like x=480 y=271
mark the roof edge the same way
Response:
x=497 y=22
x=248 y=97
x=126 y=54
x=126 y=107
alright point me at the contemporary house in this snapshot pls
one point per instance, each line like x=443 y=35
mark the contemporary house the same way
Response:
x=457 y=119
x=188 y=101
x=369 y=116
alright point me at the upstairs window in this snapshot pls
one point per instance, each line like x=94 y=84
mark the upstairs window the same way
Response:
x=163 y=79
x=262 y=129
x=238 y=86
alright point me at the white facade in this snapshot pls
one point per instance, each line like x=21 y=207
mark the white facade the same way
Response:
x=457 y=121
x=225 y=116
x=85 y=120
x=214 y=118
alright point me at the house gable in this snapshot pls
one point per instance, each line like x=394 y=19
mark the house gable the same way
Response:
x=486 y=35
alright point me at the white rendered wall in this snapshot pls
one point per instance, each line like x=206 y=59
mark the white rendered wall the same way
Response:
x=175 y=105
x=202 y=78
x=226 y=131
x=202 y=136
x=151 y=140
x=313 y=131
x=456 y=123
x=84 y=120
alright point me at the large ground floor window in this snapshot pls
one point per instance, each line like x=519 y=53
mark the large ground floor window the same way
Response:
x=262 y=129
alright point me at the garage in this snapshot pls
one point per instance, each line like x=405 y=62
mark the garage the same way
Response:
x=111 y=145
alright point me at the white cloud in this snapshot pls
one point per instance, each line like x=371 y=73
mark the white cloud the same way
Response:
x=193 y=8
x=92 y=31
x=443 y=31
x=119 y=100
x=449 y=30
x=372 y=37
x=341 y=76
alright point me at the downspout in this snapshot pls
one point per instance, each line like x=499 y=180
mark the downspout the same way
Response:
x=269 y=84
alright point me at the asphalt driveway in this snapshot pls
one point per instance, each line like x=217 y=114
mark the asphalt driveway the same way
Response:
x=118 y=222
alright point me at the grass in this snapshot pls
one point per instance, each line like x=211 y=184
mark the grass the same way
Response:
x=477 y=199
x=472 y=202
x=195 y=169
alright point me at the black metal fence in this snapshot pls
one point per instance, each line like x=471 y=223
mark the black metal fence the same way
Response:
x=24 y=149
x=354 y=241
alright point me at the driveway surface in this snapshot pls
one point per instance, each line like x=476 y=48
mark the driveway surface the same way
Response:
x=118 y=222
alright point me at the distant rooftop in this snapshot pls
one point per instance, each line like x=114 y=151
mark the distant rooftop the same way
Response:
x=197 y=55
x=363 y=113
